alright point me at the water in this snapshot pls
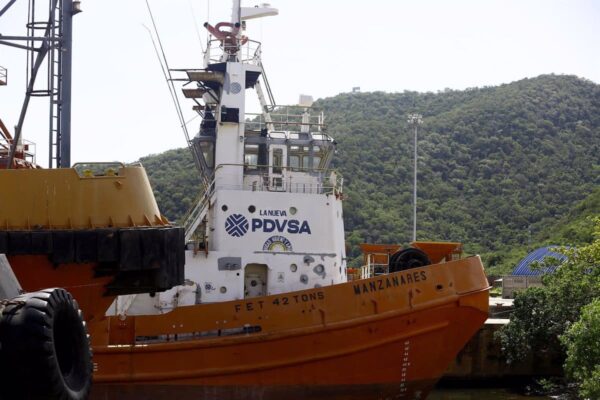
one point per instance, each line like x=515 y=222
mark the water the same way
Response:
x=480 y=394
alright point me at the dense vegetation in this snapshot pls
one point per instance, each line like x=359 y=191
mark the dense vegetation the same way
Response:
x=497 y=165
x=563 y=317
x=575 y=228
x=583 y=351
x=175 y=181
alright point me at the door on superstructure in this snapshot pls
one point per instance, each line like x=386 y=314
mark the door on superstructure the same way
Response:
x=255 y=280
x=277 y=167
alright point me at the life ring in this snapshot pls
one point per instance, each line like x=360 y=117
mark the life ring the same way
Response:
x=407 y=259
x=45 y=348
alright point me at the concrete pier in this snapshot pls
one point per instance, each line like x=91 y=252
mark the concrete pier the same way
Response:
x=482 y=360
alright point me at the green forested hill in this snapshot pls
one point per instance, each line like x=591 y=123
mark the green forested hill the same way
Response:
x=497 y=165
x=175 y=181
x=575 y=228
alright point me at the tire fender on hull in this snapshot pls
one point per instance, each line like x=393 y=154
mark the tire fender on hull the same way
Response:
x=407 y=259
x=44 y=348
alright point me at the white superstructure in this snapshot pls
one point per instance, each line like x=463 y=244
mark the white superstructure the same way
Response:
x=270 y=217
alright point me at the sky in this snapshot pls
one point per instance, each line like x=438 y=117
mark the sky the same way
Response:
x=121 y=105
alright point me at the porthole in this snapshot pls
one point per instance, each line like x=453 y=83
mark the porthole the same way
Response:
x=293 y=210
x=223 y=289
x=224 y=207
x=251 y=209
x=293 y=268
x=304 y=278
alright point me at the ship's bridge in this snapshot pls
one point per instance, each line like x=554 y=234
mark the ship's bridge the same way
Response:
x=287 y=153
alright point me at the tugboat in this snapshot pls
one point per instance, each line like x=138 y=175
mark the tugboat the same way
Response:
x=267 y=310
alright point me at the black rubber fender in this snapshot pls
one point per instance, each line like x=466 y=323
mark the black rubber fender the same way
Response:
x=45 y=348
x=407 y=259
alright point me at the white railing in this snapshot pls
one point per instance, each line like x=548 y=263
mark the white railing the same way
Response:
x=250 y=52
x=293 y=180
x=194 y=217
x=286 y=118
x=372 y=269
x=25 y=149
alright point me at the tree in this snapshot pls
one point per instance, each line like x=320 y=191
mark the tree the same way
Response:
x=563 y=316
x=582 y=343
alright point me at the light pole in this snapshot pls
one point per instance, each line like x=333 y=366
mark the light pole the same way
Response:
x=415 y=120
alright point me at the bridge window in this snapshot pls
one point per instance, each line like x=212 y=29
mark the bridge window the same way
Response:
x=208 y=152
x=316 y=161
x=277 y=161
x=251 y=156
x=295 y=162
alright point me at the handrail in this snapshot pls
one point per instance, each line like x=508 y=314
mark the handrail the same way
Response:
x=81 y=163
x=295 y=169
x=321 y=171
x=250 y=51
x=24 y=150
x=108 y=169
x=285 y=118
x=371 y=269
x=194 y=216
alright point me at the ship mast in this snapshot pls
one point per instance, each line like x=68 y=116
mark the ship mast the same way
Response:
x=238 y=74
x=236 y=13
x=219 y=91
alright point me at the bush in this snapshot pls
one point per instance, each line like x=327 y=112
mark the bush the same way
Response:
x=542 y=315
x=582 y=343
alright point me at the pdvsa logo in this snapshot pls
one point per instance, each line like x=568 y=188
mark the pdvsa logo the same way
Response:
x=292 y=226
x=236 y=225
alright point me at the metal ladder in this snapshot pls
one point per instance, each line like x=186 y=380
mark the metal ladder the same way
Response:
x=55 y=81
x=269 y=106
x=195 y=216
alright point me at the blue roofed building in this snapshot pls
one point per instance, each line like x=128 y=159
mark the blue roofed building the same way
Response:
x=529 y=271
x=527 y=266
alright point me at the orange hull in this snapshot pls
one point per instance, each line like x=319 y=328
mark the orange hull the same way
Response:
x=36 y=272
x=388 y=336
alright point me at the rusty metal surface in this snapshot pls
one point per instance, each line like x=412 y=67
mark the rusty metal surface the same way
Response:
x=193 y=93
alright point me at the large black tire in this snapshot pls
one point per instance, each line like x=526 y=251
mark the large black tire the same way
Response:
x=45 y=349
x=407 y=259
